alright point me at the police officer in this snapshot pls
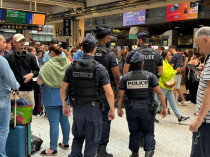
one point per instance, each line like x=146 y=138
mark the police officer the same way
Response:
x=139 y=84
x=107 y=58
x=153 y=60
x=83 y=82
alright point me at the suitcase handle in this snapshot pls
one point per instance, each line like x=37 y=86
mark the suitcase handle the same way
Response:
x=15 y=113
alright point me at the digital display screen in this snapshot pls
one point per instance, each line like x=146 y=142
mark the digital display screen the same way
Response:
x=14 y=16
x=30 y=17
x=134 y=18
x=182 y=11
x=39 y=19
x=3 y=15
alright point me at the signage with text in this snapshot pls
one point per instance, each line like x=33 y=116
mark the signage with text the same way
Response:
x=182 y=11
x=134 y=18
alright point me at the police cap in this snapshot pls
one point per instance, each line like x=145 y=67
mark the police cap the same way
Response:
x=137 y=58
x=103 y=31
x=89 y=40
x=143 y=34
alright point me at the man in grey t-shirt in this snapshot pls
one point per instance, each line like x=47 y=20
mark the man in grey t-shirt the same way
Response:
x=201 y=125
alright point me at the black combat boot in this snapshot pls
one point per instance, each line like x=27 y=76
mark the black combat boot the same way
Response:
x=101 y=152
x=134 y=154
x=149 y=153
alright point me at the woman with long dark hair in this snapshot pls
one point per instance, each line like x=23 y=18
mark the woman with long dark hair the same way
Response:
x=193 y=76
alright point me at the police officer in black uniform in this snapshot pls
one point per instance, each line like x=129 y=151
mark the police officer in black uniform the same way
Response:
x=107 y=58
x=84 y=82
x=153 y=60
x=139 y=84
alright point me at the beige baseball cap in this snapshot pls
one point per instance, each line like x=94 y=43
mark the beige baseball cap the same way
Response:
x=18 y=37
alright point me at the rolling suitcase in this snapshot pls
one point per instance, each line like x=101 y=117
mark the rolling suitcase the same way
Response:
x=19 y=139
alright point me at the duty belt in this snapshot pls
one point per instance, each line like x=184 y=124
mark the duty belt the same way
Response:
x=141 y=102
x=88 y=103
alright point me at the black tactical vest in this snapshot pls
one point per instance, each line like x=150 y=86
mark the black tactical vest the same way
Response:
x=138 y=86
x=101 y=56
x=149 y=59
x=83 y=84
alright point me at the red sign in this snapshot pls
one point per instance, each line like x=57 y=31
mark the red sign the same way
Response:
x=182 y=11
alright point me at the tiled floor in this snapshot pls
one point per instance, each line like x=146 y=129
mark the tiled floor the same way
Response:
x=172 y=139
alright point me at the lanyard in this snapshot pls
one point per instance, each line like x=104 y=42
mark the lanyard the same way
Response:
x=207 y=57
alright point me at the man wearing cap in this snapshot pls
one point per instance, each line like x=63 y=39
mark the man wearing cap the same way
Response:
x=24 y=66
x=139 y=84
x=107 y=58
x=85 y=81
x=54 y=42
x=153 y=60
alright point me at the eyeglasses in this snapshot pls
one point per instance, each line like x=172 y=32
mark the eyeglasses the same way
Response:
x=196 y=139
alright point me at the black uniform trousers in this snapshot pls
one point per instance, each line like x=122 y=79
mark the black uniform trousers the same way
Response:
x=141 y=125
x=87 y=125
x=105 y=126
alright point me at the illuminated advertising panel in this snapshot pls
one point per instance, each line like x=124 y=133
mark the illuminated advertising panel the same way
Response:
x=134 y=18
x=182 y=11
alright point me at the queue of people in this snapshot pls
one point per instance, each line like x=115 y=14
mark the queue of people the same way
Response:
x=89 y=82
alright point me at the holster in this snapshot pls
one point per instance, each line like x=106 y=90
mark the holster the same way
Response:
x=153 y=108
x=102 y=102
x=125 y=101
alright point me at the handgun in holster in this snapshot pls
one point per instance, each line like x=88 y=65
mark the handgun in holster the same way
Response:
x=102 y=102
x=125 y=101
x=153 y=108
x=73 y=102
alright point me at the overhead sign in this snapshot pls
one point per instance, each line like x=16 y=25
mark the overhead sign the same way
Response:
x=9 y=16
x=134 y=18
x=66 y=27
x=182 y=11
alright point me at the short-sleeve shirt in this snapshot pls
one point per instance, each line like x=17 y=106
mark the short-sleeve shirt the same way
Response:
x=205 y=76
x=102 y=75
x=157 y=57
x=47 y=56
x=176 y=60
x=153 y=81
x=112 y=59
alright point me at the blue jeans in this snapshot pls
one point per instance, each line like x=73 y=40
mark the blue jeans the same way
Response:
x=170 y=96
x=55 y=115
x=5 y=109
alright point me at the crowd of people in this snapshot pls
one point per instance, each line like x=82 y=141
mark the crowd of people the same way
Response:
x=87 y=79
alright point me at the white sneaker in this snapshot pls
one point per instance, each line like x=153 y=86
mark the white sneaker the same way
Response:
x=185 y=103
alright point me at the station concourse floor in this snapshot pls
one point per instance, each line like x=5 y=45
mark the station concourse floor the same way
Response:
x=172 y=139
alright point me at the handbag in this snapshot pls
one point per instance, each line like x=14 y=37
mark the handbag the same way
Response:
x=170 y=84
x=24 y=110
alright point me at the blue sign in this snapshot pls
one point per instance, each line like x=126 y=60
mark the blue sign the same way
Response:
x=30 y=17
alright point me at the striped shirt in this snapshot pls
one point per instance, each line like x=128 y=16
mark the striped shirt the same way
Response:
x=205 y=76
